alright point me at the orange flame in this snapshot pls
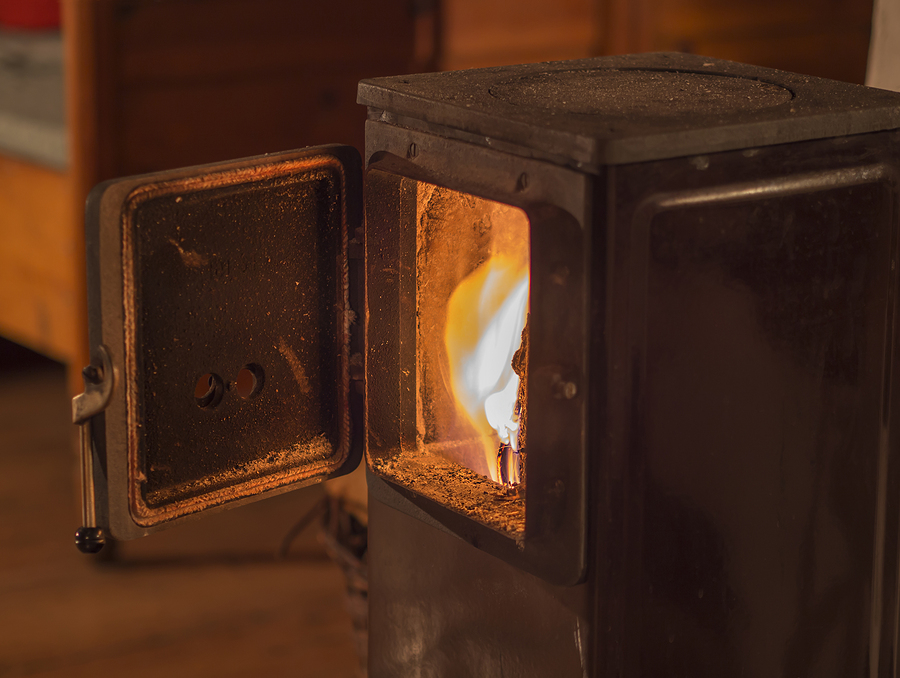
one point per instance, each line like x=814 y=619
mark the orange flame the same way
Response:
x=485 y=319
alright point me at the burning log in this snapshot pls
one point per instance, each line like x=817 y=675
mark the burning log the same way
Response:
x=520 y=367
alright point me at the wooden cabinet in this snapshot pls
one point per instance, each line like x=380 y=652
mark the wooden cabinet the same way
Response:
x=477 y=33
x=157 y=84
x=39 y=259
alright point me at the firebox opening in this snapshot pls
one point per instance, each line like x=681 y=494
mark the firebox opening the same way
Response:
x=472 y=283
x=471 y=262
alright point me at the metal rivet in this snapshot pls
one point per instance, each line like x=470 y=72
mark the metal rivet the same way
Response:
x=92 y=374
x=522 y=183
x=562 y=389
x=412 y=151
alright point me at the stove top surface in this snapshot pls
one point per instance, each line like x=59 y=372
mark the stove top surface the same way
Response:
x=623 y=109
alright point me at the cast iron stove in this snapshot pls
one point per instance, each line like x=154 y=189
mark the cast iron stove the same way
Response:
x=703 y=427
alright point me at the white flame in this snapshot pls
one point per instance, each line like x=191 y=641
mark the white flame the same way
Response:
x=485 y=319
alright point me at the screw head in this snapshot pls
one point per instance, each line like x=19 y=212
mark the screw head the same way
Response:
x=563 y=389
x=412 y=151
x=92 y=374
x=522 y=182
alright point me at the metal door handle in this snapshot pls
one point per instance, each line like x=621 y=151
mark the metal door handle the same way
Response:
x=98 y=388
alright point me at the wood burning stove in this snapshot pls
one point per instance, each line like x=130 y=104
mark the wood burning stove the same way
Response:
x=696 y=381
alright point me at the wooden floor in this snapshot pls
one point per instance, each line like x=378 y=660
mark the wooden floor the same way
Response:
x=206 y=599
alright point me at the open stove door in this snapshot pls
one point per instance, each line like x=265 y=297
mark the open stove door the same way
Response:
x=222 y=337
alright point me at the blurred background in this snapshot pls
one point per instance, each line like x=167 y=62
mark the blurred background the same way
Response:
x=98 y=89
x=95 y=89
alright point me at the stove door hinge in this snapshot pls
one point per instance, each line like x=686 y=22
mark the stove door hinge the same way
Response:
x=98 y=389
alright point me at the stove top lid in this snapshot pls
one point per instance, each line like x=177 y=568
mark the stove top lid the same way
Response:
x=624 y=109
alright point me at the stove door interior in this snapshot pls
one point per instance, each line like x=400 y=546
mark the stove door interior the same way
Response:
x=222 y=297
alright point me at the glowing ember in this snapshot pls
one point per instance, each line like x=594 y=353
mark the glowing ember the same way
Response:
x=485 y=319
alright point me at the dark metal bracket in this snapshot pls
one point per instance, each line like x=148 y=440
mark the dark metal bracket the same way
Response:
x=98 y=389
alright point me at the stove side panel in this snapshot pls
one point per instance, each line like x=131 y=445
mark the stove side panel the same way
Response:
x=760 y=529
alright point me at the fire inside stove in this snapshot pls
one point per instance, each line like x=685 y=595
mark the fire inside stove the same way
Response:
x=461 y=265
x=472 y=263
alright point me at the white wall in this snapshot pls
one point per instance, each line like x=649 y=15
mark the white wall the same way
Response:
x=884 y=51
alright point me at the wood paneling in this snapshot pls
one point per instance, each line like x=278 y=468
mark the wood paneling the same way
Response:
x=279 y=117
x=826 y=38
x=38 y=267
x=236 y=38
x=209 y=80
x=478 y=33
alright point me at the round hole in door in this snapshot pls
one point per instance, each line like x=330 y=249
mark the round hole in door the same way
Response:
x=208 y=390
x=249 y=381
